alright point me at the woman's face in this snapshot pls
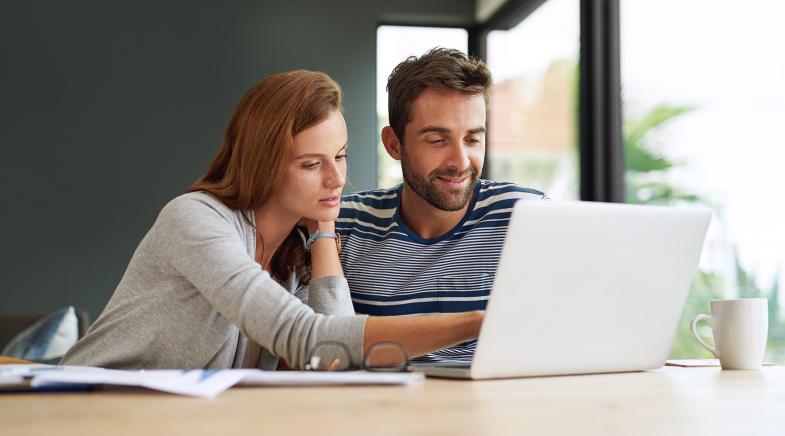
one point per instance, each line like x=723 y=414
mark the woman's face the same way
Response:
x=316 y=172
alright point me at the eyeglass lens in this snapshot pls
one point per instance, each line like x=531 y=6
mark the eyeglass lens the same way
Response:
x=386 y=356
x=329 y=357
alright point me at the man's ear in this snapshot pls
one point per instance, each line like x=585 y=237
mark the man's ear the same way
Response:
x=391 y=142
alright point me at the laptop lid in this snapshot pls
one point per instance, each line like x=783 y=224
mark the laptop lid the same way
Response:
x=588 y=287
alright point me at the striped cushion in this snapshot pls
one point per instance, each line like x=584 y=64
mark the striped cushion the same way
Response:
x=49 y=338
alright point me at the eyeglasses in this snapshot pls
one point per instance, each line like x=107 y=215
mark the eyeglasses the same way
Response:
x=335 y=356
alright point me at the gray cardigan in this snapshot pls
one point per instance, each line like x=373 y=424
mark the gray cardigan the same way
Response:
x=192 y=296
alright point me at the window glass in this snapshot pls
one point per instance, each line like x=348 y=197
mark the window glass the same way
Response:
x=533 y=121
x=703 y=86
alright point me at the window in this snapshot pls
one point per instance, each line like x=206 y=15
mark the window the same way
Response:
x=703 y=86
x=394 y=44
x=532 y=133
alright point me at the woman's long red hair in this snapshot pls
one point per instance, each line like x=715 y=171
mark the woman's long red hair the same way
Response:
x=257 y=147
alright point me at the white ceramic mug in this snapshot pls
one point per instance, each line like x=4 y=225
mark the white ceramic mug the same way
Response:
x=740 y=328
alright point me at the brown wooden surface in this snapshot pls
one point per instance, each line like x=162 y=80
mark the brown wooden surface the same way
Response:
x=7 y=360
x=669 y=401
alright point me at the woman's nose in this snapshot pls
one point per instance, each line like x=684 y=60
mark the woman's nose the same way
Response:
x=335 y=176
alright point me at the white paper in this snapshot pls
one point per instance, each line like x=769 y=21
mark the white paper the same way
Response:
x=320 y=378
x=700 y=363
x=207 y=383
x=693 y=363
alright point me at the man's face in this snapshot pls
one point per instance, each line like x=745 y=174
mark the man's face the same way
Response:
x=444 y=147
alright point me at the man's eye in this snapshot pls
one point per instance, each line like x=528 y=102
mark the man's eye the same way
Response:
x=436 y=141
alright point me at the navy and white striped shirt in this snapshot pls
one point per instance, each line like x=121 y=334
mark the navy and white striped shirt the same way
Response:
x=392 y=271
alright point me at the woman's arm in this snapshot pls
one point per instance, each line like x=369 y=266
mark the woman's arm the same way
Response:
x=421 y=334
x=324 y=253
x=327 y=292
x=197 y=238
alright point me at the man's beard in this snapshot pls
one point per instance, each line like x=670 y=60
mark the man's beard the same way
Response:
x=426 y=187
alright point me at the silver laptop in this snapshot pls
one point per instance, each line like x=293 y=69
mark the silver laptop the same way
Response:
x=586 y=288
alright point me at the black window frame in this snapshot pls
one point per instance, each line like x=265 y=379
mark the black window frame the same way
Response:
x=601 y=144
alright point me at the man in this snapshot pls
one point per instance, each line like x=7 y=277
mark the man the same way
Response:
x=432 y=244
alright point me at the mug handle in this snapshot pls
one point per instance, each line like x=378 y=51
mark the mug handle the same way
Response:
x=703 y=317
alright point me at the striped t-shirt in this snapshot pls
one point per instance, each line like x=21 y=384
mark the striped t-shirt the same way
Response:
x=392 y=271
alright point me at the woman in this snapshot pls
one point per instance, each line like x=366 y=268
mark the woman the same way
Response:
x=223 y=278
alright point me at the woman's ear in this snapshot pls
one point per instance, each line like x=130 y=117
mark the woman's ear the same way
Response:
x=391 y=142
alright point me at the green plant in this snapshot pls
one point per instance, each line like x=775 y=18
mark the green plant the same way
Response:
x=646 y=169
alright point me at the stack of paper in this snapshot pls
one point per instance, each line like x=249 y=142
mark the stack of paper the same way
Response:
x=206 y=383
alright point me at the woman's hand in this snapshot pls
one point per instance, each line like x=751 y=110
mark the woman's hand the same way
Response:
x=309 y=224
x=314 y=226
x=324 y=252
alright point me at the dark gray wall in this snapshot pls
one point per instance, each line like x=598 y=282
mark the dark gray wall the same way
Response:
x=108 y=109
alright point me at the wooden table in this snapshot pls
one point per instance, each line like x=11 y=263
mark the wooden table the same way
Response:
x=666 y=402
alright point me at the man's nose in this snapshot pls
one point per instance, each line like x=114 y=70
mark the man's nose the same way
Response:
x=459 y=157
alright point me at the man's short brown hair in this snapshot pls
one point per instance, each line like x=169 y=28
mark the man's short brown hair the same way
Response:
x=440 y=68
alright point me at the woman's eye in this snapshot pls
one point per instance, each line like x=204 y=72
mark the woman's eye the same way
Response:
x=310 y=165
x=340 y=157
